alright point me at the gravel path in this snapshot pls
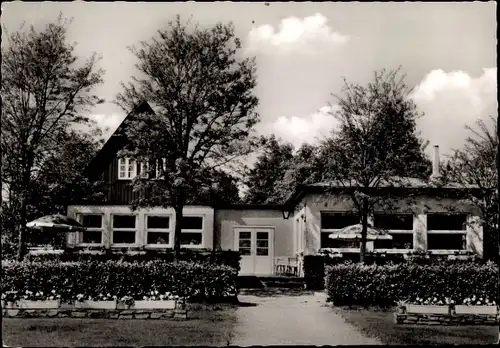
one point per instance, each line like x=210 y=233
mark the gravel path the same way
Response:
x=292 y=320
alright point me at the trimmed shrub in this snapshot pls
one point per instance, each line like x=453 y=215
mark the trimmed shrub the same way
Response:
x=218 y=257
x=384 y=285
x=92 y=279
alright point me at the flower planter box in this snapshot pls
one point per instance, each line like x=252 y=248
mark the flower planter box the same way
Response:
x=9 y=304
x=47 y=304
x=463 y=309
x=427 y=309
x=96 y=304
x=168 y=304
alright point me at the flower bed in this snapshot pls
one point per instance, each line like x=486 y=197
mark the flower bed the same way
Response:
x=116 y=282
x=358 y=284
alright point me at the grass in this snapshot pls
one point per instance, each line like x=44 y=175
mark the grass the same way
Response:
x=379 y=324
x=62 y=332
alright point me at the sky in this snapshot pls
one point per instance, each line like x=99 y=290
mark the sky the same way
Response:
x=303 y=50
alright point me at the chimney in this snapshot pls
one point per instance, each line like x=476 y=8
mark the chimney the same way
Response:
x=435 y=163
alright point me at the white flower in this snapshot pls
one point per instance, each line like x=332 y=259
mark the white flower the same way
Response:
x=156 y=292
x=53 y=291
x=144 y=298
x=493 y=303
x=480 y=299
x=452 y=301
x=58 y=296
x=37 y=294
x=109 y=295
x=152 y=293
x=162 y=297
x=478 y=302
x=51 y=297
x=440 y=302
x=41 y=293
x=115 y=297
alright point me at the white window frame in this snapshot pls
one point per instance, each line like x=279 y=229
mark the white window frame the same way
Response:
x=195 y=231
x=128 y=174
x=159 y=174
x=113 y=229
x=336 y=230
x=168 y=230
x=79 y=218
x=391 y=232
x=449 y=232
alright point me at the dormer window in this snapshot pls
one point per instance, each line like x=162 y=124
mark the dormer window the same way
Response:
x=127 y=169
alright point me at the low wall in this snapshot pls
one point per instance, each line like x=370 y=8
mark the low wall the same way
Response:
x=96 y=313
x=446 y=319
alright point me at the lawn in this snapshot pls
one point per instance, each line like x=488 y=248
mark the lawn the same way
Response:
x=379 y=324
x=213 y=331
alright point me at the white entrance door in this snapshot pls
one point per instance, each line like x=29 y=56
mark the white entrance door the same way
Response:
x=255 y=245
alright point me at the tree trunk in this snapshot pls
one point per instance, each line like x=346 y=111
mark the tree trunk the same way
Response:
x=364 y=230
x=21 y=245
x=178 y=207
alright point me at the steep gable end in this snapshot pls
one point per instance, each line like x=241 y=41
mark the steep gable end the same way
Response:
x=114 y=144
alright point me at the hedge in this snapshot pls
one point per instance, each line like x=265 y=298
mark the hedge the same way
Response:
x=217 y=257
x=384 y=285
x=68 y=280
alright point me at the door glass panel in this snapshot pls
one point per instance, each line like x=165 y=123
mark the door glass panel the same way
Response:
x=262 y=244
x=262 y=251
x=245 y=243
x=262 y=235
x=245 y=235
x=245 y=251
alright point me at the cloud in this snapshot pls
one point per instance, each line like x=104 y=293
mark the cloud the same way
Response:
x=452 y=100
x=107 y=123
x=295 y=33
x=308 y=129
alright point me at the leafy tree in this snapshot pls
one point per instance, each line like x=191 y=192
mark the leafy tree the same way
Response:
x=268 y=171
x=44 y=92
x=376 y=143
x=202 y=93
x=476 y=164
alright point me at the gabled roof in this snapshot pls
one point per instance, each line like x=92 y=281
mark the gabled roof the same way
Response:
x=402 y=184
x=115 y=142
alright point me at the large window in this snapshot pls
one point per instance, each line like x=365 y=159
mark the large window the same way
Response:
x=93 y=224
x=192 y=231
x=158 y=230
x=446 y=231
x=124 y=229
x=334 y=221
x=399 y=226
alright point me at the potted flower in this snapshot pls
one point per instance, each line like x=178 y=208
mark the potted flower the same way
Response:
x=477 y=305
x=155 y=300
x=126 y=302
x=100 y=301
x=10 y=299
x=40 y=300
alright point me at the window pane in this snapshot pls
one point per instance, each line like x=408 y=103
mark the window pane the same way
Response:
x=337 y=243
x=245 y=235
x=262 y=251
x=158 y=222
x=124 y=221
x=452 y=241
x=191 y=238
x=91 y=221
x=399 y=241
x=338 y=220
x=192 y=223
x=245 y=251
x=453 y=222
x=262 y=235
x=262 y=244
x=393 y=221
x=245 y=243
x=158 y=238
x=92 y=237
x=123 y=237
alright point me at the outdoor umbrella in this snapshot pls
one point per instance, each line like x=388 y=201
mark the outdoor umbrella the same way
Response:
x=56 y=222
x=354 y=232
